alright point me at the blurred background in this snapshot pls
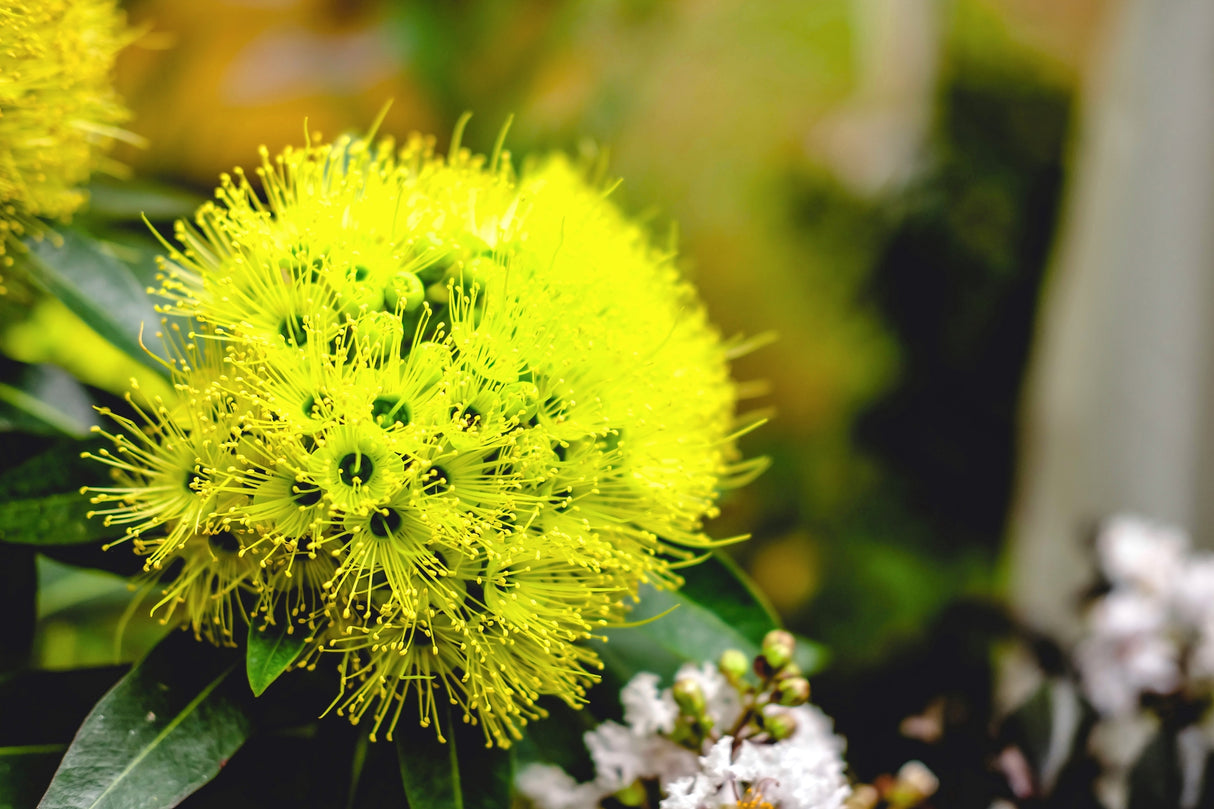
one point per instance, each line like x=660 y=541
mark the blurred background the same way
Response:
x=977 y=228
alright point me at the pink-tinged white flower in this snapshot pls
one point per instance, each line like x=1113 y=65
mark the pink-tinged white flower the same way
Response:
x=1139 y=553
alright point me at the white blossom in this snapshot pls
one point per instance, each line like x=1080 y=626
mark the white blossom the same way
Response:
x=1140 y=553
x=804 y=771
x=550 y=787
x=647 y=709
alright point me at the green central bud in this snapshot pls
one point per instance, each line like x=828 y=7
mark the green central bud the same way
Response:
x=292 y=330
x=389 y=410
x=356 y=465
x=385 y=525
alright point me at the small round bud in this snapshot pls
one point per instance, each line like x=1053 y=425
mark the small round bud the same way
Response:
x=688 y=696
x=733 y=665
x=792 y=692
x=632 y=795
x=405 y=290
x=864 y=796
x=779 y=725
x=778 y=648
x=917 y=781
x=789 y=671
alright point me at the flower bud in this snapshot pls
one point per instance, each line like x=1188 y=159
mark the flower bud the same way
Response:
x=916 y=782
x=632 y=795
x=688 y=696
x=778 y=648
x=864 y=796
x=733 y=665
x=779 y=725
x=789 y=671
x=791 y=692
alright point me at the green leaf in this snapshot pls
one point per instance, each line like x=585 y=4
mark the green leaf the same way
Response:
x=40 y=499
x=25 y=771
x=45 y=400
x=58 y=519
x=163 y=731
x=716 y=609
x=1155 y=778
x=270 y=652
x=100 y=289
x=459 y=774
x=134 y=199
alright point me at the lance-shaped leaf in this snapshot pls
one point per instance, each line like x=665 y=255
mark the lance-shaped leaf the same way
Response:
x=270 y=652
x=716 y=609
x=33 y=738
x=43 y=399
x=162 y=732
x=40 y=500
x=100 y=289
x=460 y=773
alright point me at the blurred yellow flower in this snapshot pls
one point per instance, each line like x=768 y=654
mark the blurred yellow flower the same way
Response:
x=58 y=110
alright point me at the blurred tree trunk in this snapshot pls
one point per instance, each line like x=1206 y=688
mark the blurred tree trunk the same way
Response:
x=1118 y=408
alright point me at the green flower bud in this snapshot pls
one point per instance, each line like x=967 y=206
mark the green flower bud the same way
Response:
x=791 y=692
x=778 y=648
x=779 y=726
x=733 y=665
x=632 y=795
x=689 y=696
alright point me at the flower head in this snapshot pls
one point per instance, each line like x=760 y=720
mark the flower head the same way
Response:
x=455 y=415
x=58 y=110
x=734 y=747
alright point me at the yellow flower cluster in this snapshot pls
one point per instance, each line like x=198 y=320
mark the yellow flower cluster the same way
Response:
x=58 y=110
x=440 y=417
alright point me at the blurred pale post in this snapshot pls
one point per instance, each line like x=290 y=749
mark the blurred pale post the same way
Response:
x=1117 y=413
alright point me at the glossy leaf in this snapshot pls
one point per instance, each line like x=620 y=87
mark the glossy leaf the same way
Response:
x=100 y=289
x=45 y=400
x=716 y=609
x=270 y=652
x=40 y=500
x=162 y=732
x=458 y=774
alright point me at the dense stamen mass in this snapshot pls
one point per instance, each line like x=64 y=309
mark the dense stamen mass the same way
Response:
x=445 y=417
x=59 y=109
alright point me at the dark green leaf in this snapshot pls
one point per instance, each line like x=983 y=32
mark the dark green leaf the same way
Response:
x=1155 y=777
x=25 y=771
x=459 y=774
x=40 y=500
x=557 y=739
x=270 y=652
x=100 y=289
x=716 y=609
x=375 y=778
x=44 y=399
x=133 y=200
x=162 y=732
x=58 y=519
x=1031 y=726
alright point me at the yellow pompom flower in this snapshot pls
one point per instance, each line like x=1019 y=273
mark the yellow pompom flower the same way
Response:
x=448 y=415
x=58 y=109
